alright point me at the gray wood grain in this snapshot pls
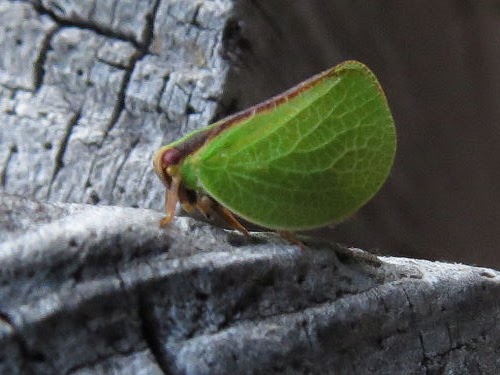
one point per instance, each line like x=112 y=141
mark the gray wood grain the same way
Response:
x=104 y=290
x=103 y=99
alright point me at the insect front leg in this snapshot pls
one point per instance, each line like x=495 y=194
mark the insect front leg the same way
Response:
x=171 y=199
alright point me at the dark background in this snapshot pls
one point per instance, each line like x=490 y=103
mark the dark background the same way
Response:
x=439 y=65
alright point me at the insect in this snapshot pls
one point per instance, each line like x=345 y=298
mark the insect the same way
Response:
x=306 y=158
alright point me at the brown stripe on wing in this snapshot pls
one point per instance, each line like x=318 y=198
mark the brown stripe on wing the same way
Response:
x=272 y=102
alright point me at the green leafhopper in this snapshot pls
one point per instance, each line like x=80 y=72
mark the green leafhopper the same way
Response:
x=306 y=158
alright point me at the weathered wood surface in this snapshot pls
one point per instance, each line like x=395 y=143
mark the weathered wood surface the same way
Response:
x=98 y=289
x=89 y=90
x=85 y=104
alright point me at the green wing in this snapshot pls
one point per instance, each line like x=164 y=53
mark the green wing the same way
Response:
x=312 y=157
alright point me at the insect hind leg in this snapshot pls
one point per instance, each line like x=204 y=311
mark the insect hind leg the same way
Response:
x=208 y=207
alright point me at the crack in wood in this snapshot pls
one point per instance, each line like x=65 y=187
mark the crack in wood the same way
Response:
x=58 y=162
x=148 y=32
x=149 y=331
x=141 y=52
x=3 y=175
x=159 y=108
x=30 y=355
x=121 y=95
x=38 y=65
x=425 y=358
x=91 y=26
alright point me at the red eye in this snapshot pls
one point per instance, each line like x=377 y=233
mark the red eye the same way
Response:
x=171 y=156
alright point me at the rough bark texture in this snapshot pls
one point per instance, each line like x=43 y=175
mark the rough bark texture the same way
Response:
x=98 y=289
x=101 y=91
x=90 y=89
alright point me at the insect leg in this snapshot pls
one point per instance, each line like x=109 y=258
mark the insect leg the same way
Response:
x=229 y=218
x=171 y=199
x=208 y=206
x=291 y=238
